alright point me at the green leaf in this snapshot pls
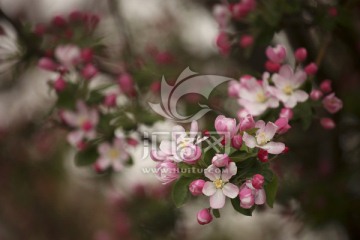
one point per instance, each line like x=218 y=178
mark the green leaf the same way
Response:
x=67 y=97
x=303 y=112
x=236 y=205
x=270 y=190
x=216 y=213
x=86 y=157
x=239 y=156
x=208 y=155
x=180 y=191
x=251 y=131
x=190 y=171
x=129 y=162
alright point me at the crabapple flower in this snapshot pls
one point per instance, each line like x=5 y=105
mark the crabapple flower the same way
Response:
x=247 y=123
x=181 y=148
x=276 y=54
x=283 y=125
x=167 y=172
x=325 y=86
x=204 y=216
x=126 y=84
x=246 y=41
x=311 y=69
x=236 y=141
x=87 y=54
x=84 y=122
x=221 y=14
x=287 y=84
x=286 y=113
x=219 y=187
x=196 y=187
x=272 y=67
x=220 y=160
x=59 y=84
x=47 y=64
x=113 y=155
x=233 y=89
x=327 y=123
x=225 y=125
x=89 y=71
x=315 y=94
x=263 y=155
x=68 y=55
x=332 y=104
x=223 y=43
x=255 y=96
x=249 y=195
x=300 y=54
x=258 y=181
x=263 y=137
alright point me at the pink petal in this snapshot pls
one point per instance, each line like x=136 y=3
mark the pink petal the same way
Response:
x=212 y=173
x=260 y=124
x=249 y=140
x=299 y=78
x=75 y=137
x=166 y=147
x=286 y=72
x=274 y=147
x=117 y=165
x=104 y=148
x=260 y=197
x=228 y=172
x=230 y=190
x=217 y=200
x=270 y=130
x=301 y=96
x=103 y=163
x=209 y=189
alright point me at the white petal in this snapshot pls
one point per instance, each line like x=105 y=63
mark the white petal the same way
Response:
x=300 y=95
x=104 y=148
x=103 y=163
x=228 y=172
x=209 y=189
x=270 y=130
x=274 y=147
x=260 y=197
x=212 y=172
x=249 y=140
x=166 y=147
x=230 y=190
x=217 y=200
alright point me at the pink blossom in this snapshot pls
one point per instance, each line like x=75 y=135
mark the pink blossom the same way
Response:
x=87 y=54
x=325 y=86
x=283 y=125
x=258 y=181
x=223 y=43
x=114 y=155
x=59 y=84
x=247 y=122
x=242 y=113
x=196 y=187
x=126 y=84
x=286 y=113
x=255 y=96
x=68 y=55
x=315 y=94
x=47 y=64
x=272 y=66
x=225 y=125
x=219 y=186
x=311 y=69
x=220 y=160
x=287 y=84
x=249 y=195
x=301 y=54
x=332 y=104
x=263 y=137
x=327 y=123
x=89 y=71
x=204 y=216
x=236 y=141
x=263 y=155
x=233 y=89
x=84 y=121
x=167 y=172
x=246 y=41
x=110 y=100
x=276 y=54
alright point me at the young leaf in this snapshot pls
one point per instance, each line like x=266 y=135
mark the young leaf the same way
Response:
x=86 y=157
x=236 y=205
x=180 y=191
x=216 y=213
x=241 y=156
x=270 y=190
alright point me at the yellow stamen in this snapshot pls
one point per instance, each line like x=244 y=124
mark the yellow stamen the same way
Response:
x=260 y=97
x=113 y=153
x=262 y=139
x=288 y=90
x=218 y=183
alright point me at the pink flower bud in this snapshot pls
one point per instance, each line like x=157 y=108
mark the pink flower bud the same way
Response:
x=89 y=71
x=240 y=10
x=132 y=142
x=327 y=123
x=204 y=216
x=311 y=69
x=236 y=141
x=60 y=84
x=225 y=125
x=221 y=14
x=40 y=29
x=247 y=123
x=272 y=66
x=223 y=43
x=325 y=86
x=276 y=54
x=286 y=150
x=246 y=41
x=87 y=125
x=283 y=125
x=110 y=100
x=59 y=21
x=263 y=155
x=75 y=16
x=242 y=113
x=220 y=160
x=68 y=55
x=196 y=187
x=332 y=104
x=87 y=54
x=258 y=181
x=286 y=113
x=247 y=198
x=126 y=84
x=332 y=11
x=155 y=87
x=233 y=89
x=300 y=54
x=167 y=172
x=47 y=64
x=164 y=58
x=316 y=94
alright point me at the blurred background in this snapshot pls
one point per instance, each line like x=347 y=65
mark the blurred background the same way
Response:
x=43 y=195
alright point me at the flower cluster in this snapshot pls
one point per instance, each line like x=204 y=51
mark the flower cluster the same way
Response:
x=238 y=171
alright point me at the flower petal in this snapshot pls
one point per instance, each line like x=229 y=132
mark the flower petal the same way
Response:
x=260 y=197
x=230 y=190
x=217 y=200
x=274 y=147
x=228 y=172
x=166 y=147
x=209 y=189
x=212 y=172
x=270 y=130
x=301 y=96
x=249 y=140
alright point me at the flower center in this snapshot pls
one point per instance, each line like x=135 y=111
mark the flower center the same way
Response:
x=113 y=153
x=262 y=139
x=219 y=183
x=288 y=90
x=260 y=97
